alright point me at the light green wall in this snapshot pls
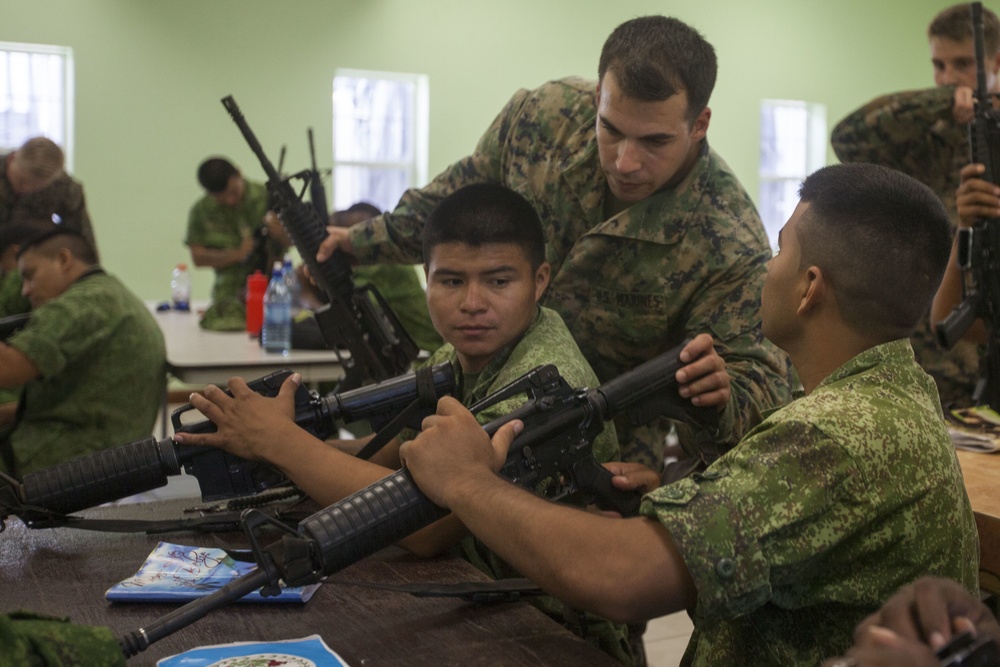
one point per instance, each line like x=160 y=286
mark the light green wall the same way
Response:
x=150 y=74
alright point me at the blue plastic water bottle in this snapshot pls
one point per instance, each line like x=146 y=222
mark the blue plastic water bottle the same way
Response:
x=276 y=334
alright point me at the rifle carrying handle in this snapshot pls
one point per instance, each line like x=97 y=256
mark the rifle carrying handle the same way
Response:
x=106 y=475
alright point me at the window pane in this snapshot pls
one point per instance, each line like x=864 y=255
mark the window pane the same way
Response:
x=372 y=119
x=783 y=140
x=777 y=201
x=32 y=95
x=379 y=186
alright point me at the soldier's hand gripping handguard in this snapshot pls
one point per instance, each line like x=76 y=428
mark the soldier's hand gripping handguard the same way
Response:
x=556 y=443
x=44 y=497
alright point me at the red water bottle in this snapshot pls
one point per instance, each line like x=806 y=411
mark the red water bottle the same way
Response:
x=256 y=286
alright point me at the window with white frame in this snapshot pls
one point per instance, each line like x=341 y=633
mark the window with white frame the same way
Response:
x=36 y=95
x=379 y=136
x=792 y=146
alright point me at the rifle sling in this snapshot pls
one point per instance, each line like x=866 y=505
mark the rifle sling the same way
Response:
x=426 y=400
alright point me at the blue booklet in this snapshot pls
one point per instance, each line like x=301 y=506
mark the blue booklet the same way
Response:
x=309 y=651
x=177 y=573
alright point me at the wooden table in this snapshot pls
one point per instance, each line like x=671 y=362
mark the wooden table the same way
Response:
x=982 y=483
x=65 y=572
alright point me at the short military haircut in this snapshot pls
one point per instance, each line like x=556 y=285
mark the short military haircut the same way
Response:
x=955 y=23
x=41 y=158
x=485 y=214
x=353 y=213
x=655 y=57
x=214 y=174
x=50 y=242
x=882 y=240
x=17 y=233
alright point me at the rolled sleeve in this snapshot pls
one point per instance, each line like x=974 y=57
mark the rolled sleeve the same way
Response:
x=725 y=559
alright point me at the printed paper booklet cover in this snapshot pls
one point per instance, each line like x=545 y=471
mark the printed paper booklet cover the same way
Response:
x=306 y=652
x=177 y=573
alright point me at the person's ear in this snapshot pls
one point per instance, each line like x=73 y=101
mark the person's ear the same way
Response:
x=699 y=128
x=542 y=276
x=814 y=290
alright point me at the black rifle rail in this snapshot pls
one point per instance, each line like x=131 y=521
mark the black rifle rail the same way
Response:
x=392 y=508
x=108 y=475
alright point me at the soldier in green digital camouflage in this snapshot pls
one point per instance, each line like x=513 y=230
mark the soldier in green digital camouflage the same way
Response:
x=231 y=230
x=91 y=358
x=34 y=185
x=781 y=546
x=486 y=272
x=651 y=237
x=924 y=133
x=32 y=640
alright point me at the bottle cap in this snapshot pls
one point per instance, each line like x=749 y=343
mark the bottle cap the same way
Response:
x=182 y=266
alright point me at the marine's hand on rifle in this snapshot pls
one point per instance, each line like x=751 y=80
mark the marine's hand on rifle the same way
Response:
x=976 y=198
x=453 y=451
x=703 y=379
x=336 y=238
x=275 y=230
x=963 y=106
x=249 y=425
x=631 y=476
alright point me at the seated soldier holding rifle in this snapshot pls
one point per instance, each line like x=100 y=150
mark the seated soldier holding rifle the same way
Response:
x=821 y=512
x=485 y=262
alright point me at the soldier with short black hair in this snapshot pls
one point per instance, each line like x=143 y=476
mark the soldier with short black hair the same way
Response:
x=651 y=237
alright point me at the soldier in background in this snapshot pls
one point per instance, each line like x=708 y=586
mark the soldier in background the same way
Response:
x=231 y=230
x=34 y=185
x=651 y=237
x=398 y=284
x=924 y=133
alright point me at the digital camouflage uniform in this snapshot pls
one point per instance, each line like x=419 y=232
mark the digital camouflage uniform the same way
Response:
x=916 y=133
x=33 y=640
x=12 y=302
x=220 y=227
x=820 y=514
x=63 y=198
x=685 y=261
x=401 y=289
x=547 y=341
x=102 y=362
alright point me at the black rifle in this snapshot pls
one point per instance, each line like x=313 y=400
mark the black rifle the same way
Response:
x=357 y=319
x=560 y=423
x=979 y=246
x=43 y=497
x=11 y=324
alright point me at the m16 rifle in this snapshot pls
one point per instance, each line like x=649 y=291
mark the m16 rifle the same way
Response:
x=979 y=245
x=357 y=319
x=44 y=497
x=560 y=424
